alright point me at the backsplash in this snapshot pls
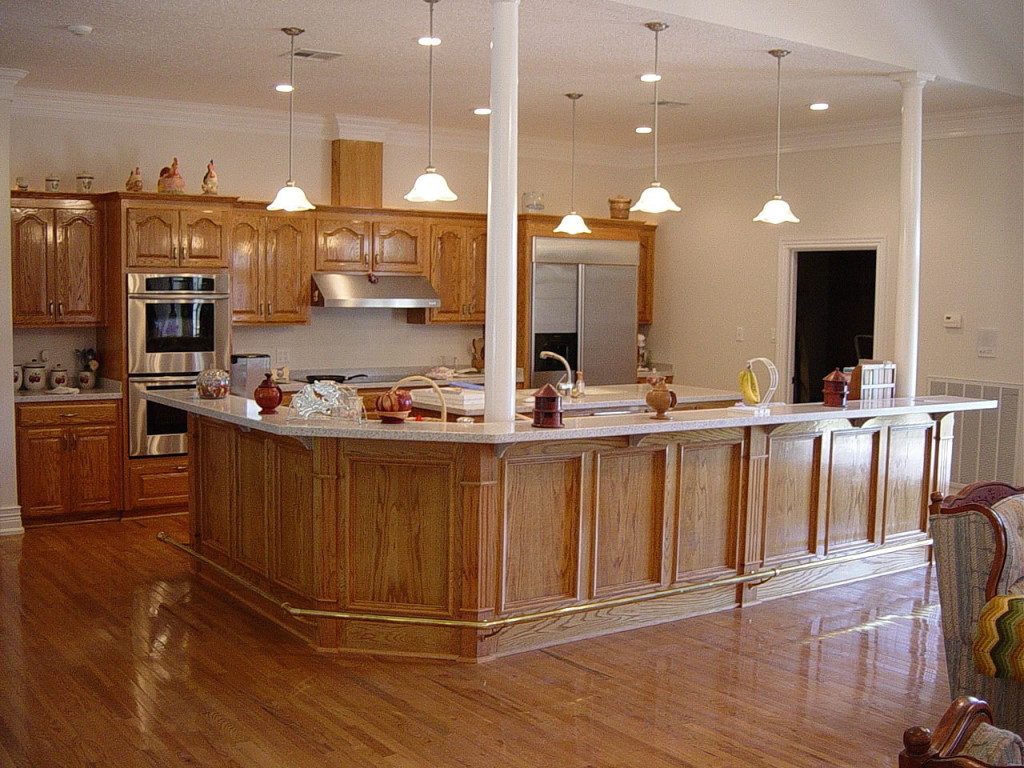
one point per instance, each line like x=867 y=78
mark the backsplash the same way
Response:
x=59 y=345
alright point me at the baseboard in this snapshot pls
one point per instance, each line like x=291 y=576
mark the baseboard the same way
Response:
x=10 y=521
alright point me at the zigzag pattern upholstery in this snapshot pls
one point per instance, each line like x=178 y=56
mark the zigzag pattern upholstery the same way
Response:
x=999 y=642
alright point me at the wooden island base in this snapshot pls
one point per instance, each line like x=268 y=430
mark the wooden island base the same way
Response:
x=472 y=550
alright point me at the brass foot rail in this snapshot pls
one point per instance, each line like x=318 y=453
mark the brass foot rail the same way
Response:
x=757 y=576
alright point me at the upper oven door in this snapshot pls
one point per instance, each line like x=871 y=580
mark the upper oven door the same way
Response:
x=177 y=335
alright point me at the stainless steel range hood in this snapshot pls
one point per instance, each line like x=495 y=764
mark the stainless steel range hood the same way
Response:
x=335 y=289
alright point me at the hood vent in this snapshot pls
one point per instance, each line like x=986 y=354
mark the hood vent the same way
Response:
x=336 y=289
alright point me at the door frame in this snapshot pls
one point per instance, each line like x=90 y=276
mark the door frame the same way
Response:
x=785 y=323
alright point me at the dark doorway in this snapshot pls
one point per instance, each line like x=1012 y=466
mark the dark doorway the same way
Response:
x=835 y=316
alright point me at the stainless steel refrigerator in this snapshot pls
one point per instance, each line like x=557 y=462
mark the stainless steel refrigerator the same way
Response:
x=584 y=309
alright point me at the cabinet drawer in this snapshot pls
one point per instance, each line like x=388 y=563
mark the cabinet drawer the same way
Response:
x=58 y=414
x=157 y=483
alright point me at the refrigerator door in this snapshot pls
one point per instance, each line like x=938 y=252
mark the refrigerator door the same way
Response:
x=607 y=326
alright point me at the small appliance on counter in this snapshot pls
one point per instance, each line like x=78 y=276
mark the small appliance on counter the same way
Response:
x=247 y=372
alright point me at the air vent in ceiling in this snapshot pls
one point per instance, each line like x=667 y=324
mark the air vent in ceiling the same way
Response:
x=309 y=54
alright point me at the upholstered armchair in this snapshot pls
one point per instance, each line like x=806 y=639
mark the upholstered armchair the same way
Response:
x=978 y=539
x=964 y=738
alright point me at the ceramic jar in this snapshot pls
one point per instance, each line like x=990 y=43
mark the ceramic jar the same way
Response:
x=34 y=375
x=86 y=379
x=660 y=398
x=268 y=395
x=394 y=406
x=17 y=378
x=59 y=376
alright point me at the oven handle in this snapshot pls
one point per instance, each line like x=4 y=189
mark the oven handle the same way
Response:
x=163 y=382
x=180 y=296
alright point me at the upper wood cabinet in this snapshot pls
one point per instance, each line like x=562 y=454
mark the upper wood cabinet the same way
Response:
x=371 y=242
x=645 y=277
x=270 y=268
x=188 y=236
x=56 y=263
x=458 y=272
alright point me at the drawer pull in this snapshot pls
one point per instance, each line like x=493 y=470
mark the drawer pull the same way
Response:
x=180 y=468
x=68 y=415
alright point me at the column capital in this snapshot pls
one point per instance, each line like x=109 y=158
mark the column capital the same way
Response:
x=912 y=79
x=8 y=79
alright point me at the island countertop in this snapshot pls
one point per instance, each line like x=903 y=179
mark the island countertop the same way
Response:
x=244 y=412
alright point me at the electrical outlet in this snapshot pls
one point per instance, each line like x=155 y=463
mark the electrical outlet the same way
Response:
x=740 y=333
x=283 y=357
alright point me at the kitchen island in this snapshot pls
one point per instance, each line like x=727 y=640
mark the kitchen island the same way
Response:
x=470 y=541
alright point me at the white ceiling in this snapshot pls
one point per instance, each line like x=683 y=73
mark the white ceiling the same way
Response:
x=232 y=52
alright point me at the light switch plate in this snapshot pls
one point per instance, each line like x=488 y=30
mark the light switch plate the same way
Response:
x=951 y=320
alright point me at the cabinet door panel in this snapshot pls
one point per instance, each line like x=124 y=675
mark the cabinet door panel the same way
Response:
x=446 y=268
x=246 y=250
x=202 y=234
x=286 y=272
x=342 y=244
x=476 y=274
x=31 y=257
x=152 y=237
x=42 y=487
x=399 y=246
x=95 y=469
x=77 y=270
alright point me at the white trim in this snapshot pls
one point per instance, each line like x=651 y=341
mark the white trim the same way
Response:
x=10 y=521
x=785 y=312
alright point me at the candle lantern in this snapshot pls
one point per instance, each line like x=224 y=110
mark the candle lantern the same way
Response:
x=547 y=407
x=836 y=388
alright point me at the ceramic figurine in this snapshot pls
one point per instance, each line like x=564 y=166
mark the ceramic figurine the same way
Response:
x=134 y=183
x=209 y=184
x=170 y=180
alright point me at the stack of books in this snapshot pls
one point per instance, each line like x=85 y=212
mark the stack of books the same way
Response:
x=873 y=380
x=454 y=397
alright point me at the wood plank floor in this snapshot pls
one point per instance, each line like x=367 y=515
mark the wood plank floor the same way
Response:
x=111 y=655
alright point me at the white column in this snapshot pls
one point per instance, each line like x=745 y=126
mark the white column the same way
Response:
x=500 y=333
x=908 y=260
x=10 y=512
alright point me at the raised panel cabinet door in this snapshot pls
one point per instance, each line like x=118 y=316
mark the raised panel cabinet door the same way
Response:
x=342 y=244
x=31 y=261
x=448 y=247
x=475 y=280
x=78 y=267
x=286 y=271
x=399 y=245
x=245 y=248
x=95 y=468
x=645 y=280
x=42 y=472
x=202 y=239
x=152 y=237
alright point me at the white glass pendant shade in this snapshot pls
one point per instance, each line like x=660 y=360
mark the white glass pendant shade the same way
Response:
x=572 y=224
x=430 y=187
x=655 y=199
x=290 y=198
x=776 y=211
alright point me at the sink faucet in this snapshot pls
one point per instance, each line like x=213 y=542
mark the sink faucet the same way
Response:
x=566 y=386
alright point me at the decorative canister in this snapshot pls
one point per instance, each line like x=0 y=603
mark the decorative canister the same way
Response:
x=17 y=378
x=59 y=376
x=52 y=183
x=547 y=407
x=835 y=389
x=34 y=374
x=268 y=395
x=394 y=406
x=86 y=379
x=213 y=384
x=83 y=182
x=660 y=398
x=618 y=207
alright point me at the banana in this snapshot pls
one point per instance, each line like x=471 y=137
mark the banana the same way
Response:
x=748 y=387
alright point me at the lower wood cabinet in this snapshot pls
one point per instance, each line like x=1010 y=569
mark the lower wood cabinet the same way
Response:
x=157 y=484
x=69 y=461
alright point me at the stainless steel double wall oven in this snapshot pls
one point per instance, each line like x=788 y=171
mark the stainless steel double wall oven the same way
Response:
x=178 y=325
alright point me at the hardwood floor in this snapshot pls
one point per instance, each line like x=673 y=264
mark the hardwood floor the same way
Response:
x=111 y=655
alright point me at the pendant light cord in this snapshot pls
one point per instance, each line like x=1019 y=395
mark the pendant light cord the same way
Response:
x=291 y=100
x=574 y=97
x=656 y=81
x=778 y=54
x=430 y=90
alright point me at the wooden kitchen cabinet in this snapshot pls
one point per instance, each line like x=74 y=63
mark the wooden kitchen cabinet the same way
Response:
x=270 y=268
x=157 y=484
x=458 y=272
x=56 y=263
x=187 y=236
x=372 y=242
x=69 y=461
x=645 y=277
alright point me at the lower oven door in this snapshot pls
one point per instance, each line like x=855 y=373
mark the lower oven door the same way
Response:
x=155 y=429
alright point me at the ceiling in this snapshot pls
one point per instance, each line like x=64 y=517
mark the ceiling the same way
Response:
x=718 y=81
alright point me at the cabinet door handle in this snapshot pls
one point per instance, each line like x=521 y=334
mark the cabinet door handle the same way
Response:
x=270 y=309
x=64 y=442
x=49 y=310
x=60 y=308
x=74 y=441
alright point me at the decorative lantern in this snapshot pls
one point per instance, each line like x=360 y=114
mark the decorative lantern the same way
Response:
x=547 y=407
x=836 y=388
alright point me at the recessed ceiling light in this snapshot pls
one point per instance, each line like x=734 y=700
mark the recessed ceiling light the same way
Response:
x=427 y=40
x=79 y=29
x=284 y=88
x=643 y=129
x=819 y=106
x=482 y=111
x=650 y=77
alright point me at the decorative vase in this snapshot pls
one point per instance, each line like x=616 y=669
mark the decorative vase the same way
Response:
x=86 y=379
x=660 y=398
x=213 y=384
x=268 y=395
x=394 y=406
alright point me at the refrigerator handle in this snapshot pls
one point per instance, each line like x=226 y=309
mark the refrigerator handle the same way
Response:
x=581 y=295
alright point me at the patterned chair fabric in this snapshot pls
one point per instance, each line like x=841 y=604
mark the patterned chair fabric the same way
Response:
x=999 y=640
x=978 y=540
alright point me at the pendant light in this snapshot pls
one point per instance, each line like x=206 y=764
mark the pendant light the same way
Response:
x=655 y=199
x=431 y=186
x=572 y=223
x=291 y=197
x=777 y=210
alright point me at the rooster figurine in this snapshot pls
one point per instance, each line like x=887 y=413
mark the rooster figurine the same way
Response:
x=209 y=184
x=134 y=183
